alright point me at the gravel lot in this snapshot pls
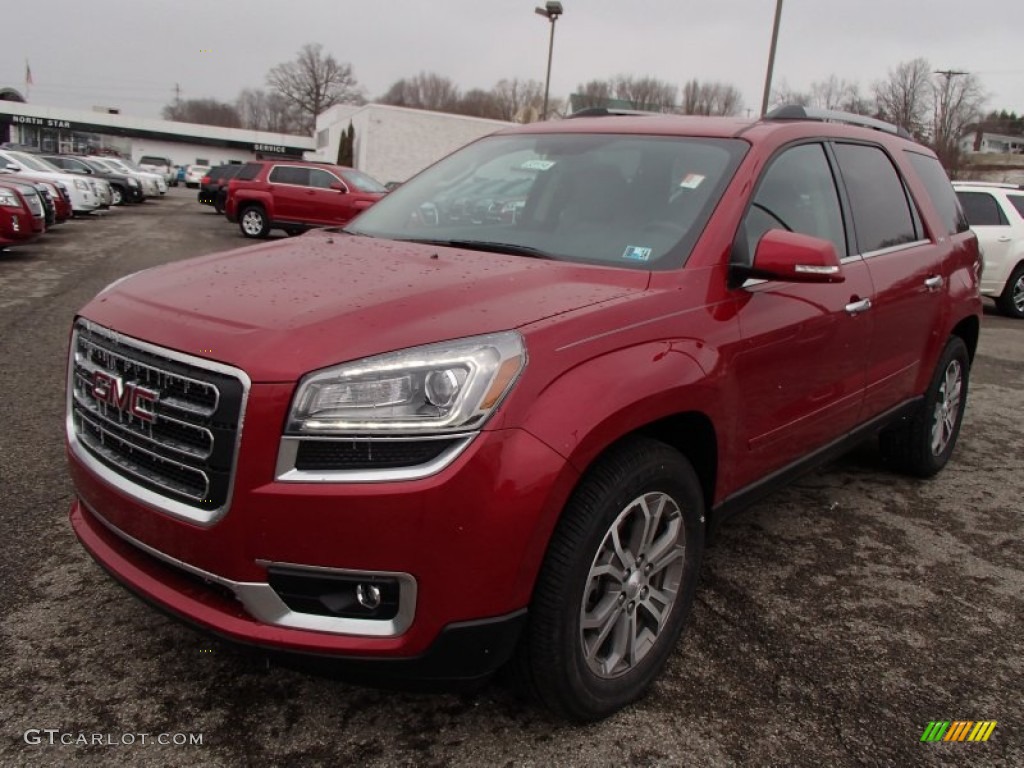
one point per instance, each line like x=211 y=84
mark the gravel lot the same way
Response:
x=833 y=621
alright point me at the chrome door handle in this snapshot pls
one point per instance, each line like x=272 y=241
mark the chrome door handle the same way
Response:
x=856 y=307
x=934 y=282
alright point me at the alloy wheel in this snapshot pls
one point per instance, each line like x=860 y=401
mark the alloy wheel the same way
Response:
x=947 y=407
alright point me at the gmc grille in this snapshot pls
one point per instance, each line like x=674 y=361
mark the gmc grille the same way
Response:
x=165 y=424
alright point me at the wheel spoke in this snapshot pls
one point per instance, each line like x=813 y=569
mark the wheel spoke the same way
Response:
x=624 y=555
x=602 y=615
x=652 y=519
x=663 y=545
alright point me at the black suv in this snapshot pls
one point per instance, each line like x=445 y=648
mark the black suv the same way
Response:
x=213 y=189
x=123 y=189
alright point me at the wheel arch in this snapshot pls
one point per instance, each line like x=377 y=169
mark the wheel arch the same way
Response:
x=968 y=329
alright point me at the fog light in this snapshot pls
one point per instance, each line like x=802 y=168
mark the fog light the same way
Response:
x=368 y=596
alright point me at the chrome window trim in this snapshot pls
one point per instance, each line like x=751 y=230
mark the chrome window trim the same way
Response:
x=172 y=507
x=286 y=472
x=264 y=604
x=895 y=249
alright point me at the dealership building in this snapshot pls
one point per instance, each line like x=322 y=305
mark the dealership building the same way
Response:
x=55 y=129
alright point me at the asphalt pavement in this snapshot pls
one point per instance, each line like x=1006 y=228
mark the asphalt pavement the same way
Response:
x=833 y=622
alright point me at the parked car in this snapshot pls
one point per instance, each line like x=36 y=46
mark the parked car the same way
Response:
x=294 y=196
x=149 y=182
x=83 y=198
x=213 y=188
x=32 y=194
x=124 y=188
x=52 y=196
x=194 y=175
x=996 y=214
x=16 y=219
x=124 y=162
x=179 y=175
x=159 y=165
x=447 y=446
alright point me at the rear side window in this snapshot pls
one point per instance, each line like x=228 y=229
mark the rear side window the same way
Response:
x=882 y=216
x=1017 y=201
x=290 y=174
x=934 y=178
x=249 y=171
x=982 y=209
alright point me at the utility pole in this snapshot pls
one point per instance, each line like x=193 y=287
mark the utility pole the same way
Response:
x=177 y=92
x=771 y=58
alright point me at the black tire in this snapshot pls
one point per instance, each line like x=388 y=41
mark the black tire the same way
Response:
x=117 y=195
x=1011 y=301
x=915 y=445
x=218 y=204
x=551 y=665
x=253 y=222
x=294 y=231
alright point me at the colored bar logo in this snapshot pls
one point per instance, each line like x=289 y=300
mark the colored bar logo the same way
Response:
x=958 y=730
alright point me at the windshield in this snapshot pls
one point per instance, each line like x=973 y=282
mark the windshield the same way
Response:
x=97 y=163
x=631 y=201
x=363 y=182
x=34 y=163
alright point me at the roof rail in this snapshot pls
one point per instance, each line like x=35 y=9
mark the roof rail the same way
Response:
x=606 y=112
x=993 y=184
x=799 y=112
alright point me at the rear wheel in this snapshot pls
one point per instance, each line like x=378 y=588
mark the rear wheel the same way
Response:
x=253 y=222
x=1011 y=302
x=616 y=584
x=922 y=444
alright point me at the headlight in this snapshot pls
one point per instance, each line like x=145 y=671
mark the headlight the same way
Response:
x=8 y=199
x=447 y=387
x=79 y=184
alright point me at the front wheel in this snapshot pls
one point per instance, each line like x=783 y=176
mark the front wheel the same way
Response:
x=1011 y=301
x=616 y=585
x=116 y=196
x=922 y=443
x=253 y=222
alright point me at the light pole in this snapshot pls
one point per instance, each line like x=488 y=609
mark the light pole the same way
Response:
x=552 y=10
x=771 y=59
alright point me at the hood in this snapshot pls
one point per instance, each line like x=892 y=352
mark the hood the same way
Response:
x=283 y=309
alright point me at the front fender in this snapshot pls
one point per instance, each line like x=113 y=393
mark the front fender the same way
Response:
x=602 y=399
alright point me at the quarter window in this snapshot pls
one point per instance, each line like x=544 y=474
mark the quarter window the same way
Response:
x=982 y=209
x=934 y=178
x=290 y=174
x=797 y=194
x=882 y=214
x=1017 y=201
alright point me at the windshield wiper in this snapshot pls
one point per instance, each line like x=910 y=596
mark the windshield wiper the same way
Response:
x=486 y=245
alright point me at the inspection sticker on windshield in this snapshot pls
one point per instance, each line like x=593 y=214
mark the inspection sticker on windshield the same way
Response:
x=537 y=165
x=691 y=181
x=637 y=253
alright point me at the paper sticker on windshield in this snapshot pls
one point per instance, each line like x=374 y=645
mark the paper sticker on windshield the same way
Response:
x=537 y=165
x=637 y=253
x=691 y=181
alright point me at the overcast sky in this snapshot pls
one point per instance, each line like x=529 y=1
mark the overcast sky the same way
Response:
x=131 y=53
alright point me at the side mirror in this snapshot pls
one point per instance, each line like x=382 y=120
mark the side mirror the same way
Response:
x=13 y=167
x=792 y=257
x=338 y=186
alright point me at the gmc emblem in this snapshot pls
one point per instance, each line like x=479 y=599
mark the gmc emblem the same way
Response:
x=129 y=398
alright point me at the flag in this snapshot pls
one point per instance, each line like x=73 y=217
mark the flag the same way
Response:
x=28 y=73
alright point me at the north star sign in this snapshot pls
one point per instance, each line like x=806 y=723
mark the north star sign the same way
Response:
x=40 y=121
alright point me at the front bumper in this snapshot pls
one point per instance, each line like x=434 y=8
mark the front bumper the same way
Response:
x=471 y=538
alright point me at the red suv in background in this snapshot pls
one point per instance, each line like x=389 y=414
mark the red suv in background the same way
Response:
x=443 y=443
x=16 y=219
x=295 y=196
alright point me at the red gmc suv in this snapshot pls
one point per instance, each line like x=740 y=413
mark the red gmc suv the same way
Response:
x=436 y=445
x=294 y=196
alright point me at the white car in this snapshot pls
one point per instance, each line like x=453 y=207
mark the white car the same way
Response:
x=156 y=164
x=194 y=175
x=83 y=198
x=149 y=181
x=161 y=182
x=996 y=214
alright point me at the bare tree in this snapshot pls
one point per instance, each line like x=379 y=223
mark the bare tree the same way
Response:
x=832 y=93
x=519 y=99
x=479 y=103
x=313 y=82
x=904 y=98
x=595 y=93
x=203 y=112
x=710 y=98
x=782 y=94
x=957 y=99
x=425 y=91
x=646 y=93
x=261 y=110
